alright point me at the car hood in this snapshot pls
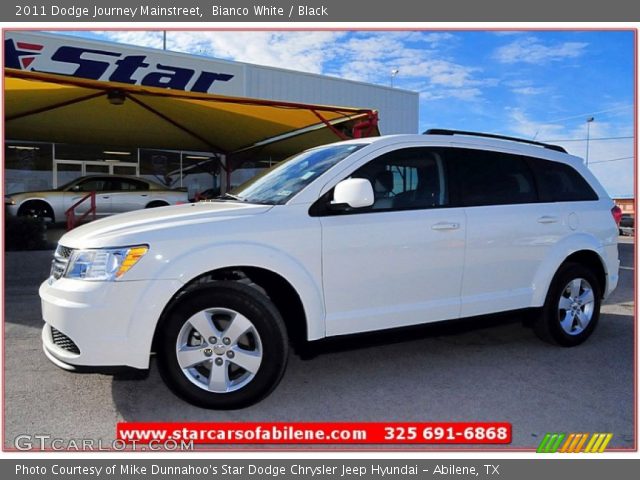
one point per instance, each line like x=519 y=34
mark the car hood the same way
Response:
x=142 y=226
x=32 y=193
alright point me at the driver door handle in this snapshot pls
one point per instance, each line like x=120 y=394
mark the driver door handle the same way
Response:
x=445 y=226
x=548 y=219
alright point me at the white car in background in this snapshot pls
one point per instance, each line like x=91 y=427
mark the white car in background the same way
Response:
x=114 y=194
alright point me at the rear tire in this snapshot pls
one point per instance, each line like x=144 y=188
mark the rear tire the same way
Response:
x=572 y=307
x=223 y=346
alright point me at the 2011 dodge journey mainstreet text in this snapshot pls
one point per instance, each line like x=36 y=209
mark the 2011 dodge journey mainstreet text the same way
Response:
x=366 y=234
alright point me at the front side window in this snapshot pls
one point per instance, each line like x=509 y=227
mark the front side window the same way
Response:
x=93 y=185
x=410 y=178
x=280 y=183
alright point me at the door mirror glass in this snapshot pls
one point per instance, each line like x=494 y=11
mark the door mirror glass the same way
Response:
x=352 y=193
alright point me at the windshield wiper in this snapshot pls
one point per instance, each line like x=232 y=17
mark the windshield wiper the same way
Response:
x=231 y=196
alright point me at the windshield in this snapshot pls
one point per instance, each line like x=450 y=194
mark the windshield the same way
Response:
x=67 y=185
x=281 y=182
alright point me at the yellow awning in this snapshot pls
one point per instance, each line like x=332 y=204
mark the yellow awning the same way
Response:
x=64 y=109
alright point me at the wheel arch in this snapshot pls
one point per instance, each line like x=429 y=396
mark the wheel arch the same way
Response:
x=582 y=249
x=37 y=200
x=273 y=285
x=157 y=203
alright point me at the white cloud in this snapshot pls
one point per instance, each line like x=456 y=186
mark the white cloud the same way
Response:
x=525 y=127
x=532 y=50
x=363 y=56
x=303 y=51
x=529 y=90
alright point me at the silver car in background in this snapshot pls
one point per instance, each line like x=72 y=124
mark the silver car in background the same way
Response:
x=114 y=194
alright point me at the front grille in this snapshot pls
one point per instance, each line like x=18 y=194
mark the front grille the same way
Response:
x=64 y=342
x=60 y=260
x=63 y=252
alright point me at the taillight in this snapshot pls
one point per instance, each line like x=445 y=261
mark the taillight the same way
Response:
x=616 y=211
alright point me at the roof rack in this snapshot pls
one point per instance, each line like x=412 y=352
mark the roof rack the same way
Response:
x=442 y=131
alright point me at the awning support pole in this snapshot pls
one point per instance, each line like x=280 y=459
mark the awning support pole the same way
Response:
x=174 y=123
x=66 y=103
x=370 y=123
x=340 y=135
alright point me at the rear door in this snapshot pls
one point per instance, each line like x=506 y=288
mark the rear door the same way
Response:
x=129 y=194
x=509 y=232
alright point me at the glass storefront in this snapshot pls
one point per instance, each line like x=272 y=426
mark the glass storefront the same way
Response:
x=33 y=166
x=28 y=166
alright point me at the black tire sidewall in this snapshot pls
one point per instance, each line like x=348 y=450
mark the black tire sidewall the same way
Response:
x=41 y=210
x=552 y=328
x=268 y=323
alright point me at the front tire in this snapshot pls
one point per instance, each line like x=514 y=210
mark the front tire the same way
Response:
x=223 y=346
x=572 y=307
x=37 y=209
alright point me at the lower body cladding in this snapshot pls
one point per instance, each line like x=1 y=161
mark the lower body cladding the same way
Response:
x=94 y=325
x=224 y=343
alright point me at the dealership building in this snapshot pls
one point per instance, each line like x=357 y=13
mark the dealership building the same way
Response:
x=77 y=107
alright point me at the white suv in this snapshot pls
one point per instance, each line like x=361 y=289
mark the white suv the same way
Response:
x=356 y=236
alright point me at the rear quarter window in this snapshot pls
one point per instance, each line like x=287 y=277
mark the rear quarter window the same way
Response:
x=559 y=182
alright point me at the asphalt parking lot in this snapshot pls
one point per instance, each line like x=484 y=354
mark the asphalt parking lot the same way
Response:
x=494 y=369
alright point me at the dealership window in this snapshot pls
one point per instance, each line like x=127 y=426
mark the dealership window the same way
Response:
x=27 y=166
x=74 y=161
x=32 y=166
x=197 y=172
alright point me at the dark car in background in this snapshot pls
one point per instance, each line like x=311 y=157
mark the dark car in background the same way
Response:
x=627 y=224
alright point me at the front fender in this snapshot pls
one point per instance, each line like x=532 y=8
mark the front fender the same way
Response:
x=38 y=198
x=192 y=264
x=556 y=257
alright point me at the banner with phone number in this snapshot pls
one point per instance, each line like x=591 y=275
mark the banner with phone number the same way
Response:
x=498 y=433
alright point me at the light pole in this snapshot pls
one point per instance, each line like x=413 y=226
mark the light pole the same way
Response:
x=394 y=72
x=589 y=121
x=164 y=40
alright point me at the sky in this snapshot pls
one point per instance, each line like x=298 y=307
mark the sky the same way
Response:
x=540 y=85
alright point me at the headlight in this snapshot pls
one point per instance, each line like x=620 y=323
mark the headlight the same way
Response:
x=104 y=263
x=9 y=201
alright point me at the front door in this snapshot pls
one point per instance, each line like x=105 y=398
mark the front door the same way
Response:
x=400 y=261
x=103 y=189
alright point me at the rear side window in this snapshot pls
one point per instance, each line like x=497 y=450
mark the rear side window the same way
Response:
x=559 y=182
x=493 y=178
x=128 y=185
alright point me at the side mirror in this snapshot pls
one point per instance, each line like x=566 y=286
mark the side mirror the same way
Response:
x=75 y=188
x=352 y=193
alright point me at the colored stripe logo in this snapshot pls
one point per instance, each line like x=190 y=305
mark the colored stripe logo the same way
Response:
x=574 y=443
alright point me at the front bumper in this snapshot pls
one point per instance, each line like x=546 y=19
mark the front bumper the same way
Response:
x=10 y=209
x=101 y=324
